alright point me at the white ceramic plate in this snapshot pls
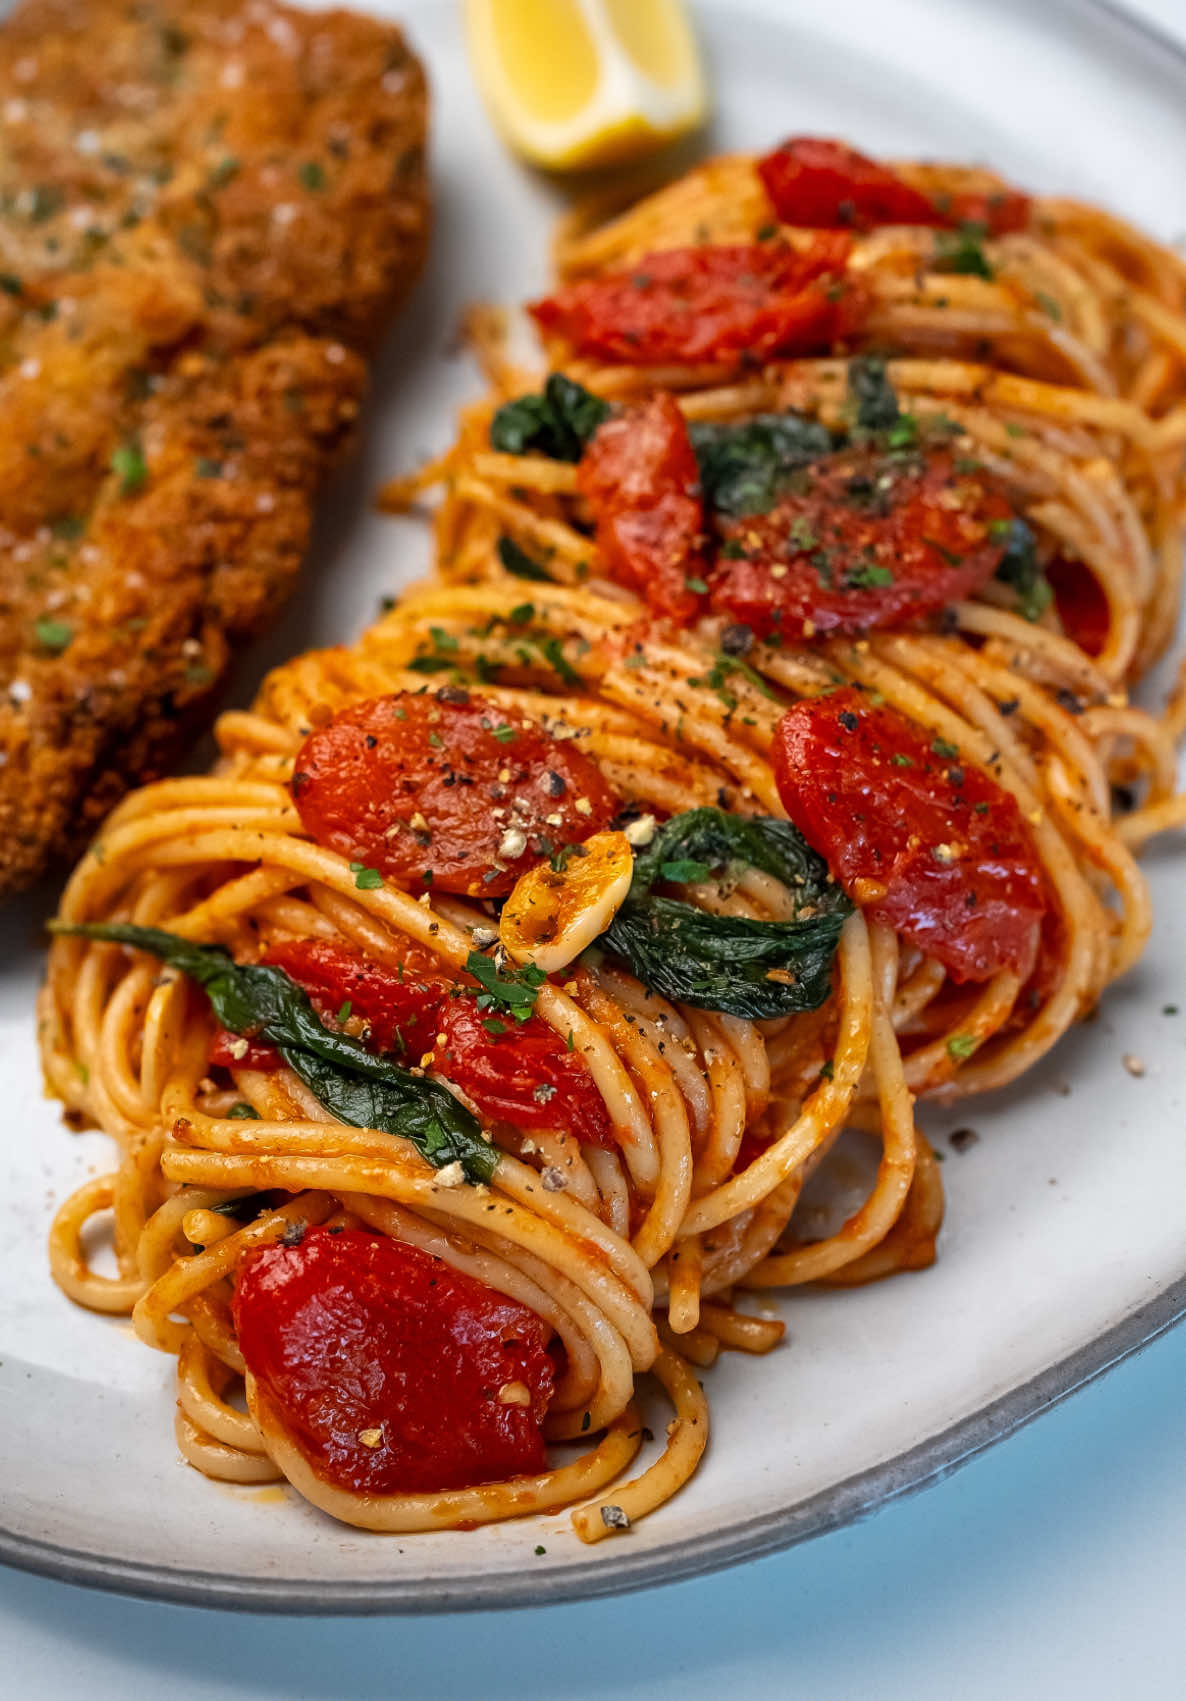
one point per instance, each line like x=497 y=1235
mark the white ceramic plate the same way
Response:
x=1066 y=1239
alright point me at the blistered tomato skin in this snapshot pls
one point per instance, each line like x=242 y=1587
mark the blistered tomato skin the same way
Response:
x=386 y=1365
x=521 y=1072
x=230 y=1051
x=868 y=540
x=399 y=1009
x=426 y=789
x=712 y=303
x=924 y=842
x=641 y=481
x=826 y=185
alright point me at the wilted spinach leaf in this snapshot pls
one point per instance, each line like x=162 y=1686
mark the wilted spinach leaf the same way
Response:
x=361 y=1089
x=725 y=963
x=557 y=423
x=743 y=468
x=873 y=398
x=1020 y=567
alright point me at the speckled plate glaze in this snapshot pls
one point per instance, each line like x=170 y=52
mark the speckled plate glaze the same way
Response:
x=1066 y=1240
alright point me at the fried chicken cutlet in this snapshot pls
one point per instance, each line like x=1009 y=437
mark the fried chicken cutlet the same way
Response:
x=208 y=212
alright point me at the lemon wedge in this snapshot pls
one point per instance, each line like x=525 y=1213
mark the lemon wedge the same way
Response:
x=578 y=83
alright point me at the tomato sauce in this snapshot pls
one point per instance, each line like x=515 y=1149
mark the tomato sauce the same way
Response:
x=392 y=1372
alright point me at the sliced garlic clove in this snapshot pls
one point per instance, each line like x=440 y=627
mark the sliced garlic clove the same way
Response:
x=553 y=914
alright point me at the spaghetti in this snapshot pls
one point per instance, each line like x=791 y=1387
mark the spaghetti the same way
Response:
x=748 y=771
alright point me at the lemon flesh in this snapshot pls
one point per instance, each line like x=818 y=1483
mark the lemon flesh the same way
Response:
x=577 y=83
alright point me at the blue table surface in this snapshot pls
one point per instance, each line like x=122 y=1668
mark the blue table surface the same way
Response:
x=1052 y=1566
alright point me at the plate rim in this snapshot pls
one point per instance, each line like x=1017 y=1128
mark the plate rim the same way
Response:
x=850 y=1500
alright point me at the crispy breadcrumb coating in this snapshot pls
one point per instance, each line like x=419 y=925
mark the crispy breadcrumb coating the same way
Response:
x=208 y=212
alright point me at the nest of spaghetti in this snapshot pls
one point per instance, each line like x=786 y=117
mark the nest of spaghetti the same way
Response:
x=759 y=761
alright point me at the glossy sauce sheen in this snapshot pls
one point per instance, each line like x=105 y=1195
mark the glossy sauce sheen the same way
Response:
x=868 y=539
x=923 y=842
x=827 y=185
x=712 y=303
x=353 y=1333
x=409 y=785
x=641 y=481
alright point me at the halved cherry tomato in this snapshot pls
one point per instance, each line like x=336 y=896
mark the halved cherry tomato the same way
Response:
x=230 y=1051
x=392 y=1372
x=923 y=842
x=437 y=790
x=640 y=478
x=826 y=185
x=866 y=540
x=400 y=1010
x=712 y=303
x=521 y=1072
x=1081 y=604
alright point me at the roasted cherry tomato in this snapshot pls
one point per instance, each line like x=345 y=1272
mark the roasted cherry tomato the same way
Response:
x=923 y=842
x=522 y=1072
x=709 y=304
x=1080 y=603
x=445 y=790
x=867 y=539
x=399 y=1009
x=827 y=185
x=640 y=478
x=392 y=1372
x=230 y=1051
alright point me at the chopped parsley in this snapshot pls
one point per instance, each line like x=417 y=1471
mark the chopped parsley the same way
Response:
x=942 y=747
x=864 y=578
x=684 y=869
x=504 y=734
x=560 y=859
x=312 y=175
x=960 y=1046
x=52 y=634
x=962 y=251
x=129 y=466
x=366 y=879
x=513 y=988
x=518 y=562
